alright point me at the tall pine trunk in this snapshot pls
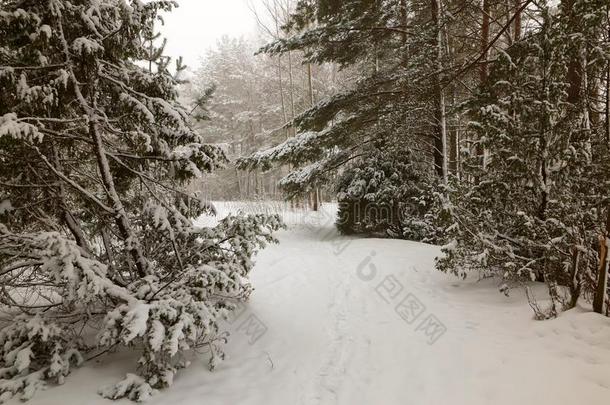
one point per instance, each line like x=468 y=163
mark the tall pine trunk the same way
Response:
x=574 y=66
x=484 y=67
x=440 y=130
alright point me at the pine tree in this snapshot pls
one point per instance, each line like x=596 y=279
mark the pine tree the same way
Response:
x=533 y=212
x=96 y=228
x=388 y=106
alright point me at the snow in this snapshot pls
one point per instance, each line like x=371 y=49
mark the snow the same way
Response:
x=136 y=319
x=338 y=320
x=5 y=206
x=10 y=126
x=22 y=359
x=86 y=46
x=46 y=30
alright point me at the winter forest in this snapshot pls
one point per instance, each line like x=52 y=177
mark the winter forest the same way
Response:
x=355 y=202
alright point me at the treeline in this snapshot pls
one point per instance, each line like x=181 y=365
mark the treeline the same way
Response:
x=480 y=125
x=249 y=99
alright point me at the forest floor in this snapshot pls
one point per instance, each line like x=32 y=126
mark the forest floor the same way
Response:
x=338 y=320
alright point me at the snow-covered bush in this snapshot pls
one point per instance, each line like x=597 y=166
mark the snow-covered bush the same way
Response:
x=424 y=215
x=35 y=350
x=390 y=194
x=369 y=193
x=97 y=244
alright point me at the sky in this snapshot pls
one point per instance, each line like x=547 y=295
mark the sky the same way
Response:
x=196 y=25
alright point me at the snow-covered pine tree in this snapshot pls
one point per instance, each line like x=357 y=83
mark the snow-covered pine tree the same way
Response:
x=390 y=105
x=387 y=193
x=96 y=233
x=536 y=209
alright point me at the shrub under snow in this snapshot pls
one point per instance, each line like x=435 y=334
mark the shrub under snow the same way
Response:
x=97 y=244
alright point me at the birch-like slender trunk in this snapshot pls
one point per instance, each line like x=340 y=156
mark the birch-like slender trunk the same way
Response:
x=315 y=197
x=291 y=93
x=440 y=137
x=484 y=68
x=608 y=84
x=608 y=102
x=279 y=68
x=602 y=276
x=517 y=21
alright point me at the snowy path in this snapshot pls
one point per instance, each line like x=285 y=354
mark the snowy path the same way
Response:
x=335 y=320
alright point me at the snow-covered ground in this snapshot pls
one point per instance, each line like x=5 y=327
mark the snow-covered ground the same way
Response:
x=337 y=320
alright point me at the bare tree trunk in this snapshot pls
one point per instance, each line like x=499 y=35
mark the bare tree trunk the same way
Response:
x=484 y=68
x=602 y=275
x=453 y=146
x=403 y=20
x=315 y=192
x=291 y=83
x=132 y=242
x=574 y=67
x=608 y=103
x=67 y=215
x=109 y=253
x=310 y=85
x=575 y=285
x=440 y=137
x=283 y=102
x=587 y=118
x=239 y=187
x=608 y=85
x=604 y=240
x=517 y=21
x=279 y=68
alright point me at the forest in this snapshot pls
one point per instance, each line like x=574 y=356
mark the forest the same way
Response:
x=277 y=220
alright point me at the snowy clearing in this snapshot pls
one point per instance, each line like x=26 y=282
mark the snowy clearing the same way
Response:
x=337 y=320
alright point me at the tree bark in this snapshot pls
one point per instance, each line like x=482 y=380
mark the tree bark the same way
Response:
x=608 y=104
x=574 y=66
x=403 y=20
x=291 y=83
x=279 y=68
x=67 y=216
x=315 y=192
x=440 y=130
x=608 y=86
x=131 y=241
x=517 y=21
x=604 y=240
x=575 y=285
x=484 y=67
x=602 y=275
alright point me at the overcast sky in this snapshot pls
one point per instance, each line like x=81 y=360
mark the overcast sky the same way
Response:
x=197 y=24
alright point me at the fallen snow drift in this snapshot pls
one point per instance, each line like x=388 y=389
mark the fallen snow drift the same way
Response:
x=337 y=320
